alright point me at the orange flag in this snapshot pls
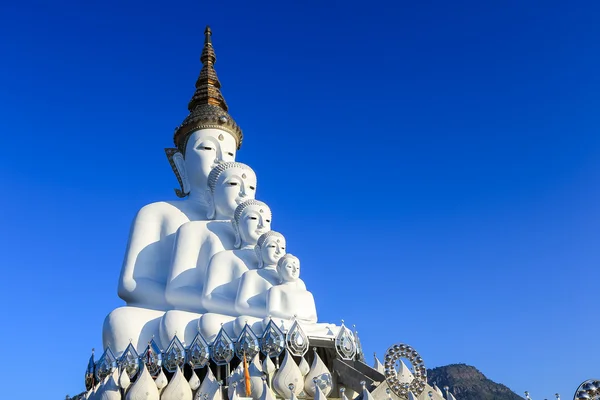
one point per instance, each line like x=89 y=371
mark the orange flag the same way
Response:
x=246 y=376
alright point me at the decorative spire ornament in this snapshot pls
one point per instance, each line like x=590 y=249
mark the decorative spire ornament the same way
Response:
x=89 y=373
x=207 y=107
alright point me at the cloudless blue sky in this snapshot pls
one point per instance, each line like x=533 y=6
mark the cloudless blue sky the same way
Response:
x=434 y=164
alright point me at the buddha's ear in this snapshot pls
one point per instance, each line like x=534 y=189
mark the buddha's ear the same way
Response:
x=212 y=211
x=259 y=256
x=178 y=166
x=238 y=238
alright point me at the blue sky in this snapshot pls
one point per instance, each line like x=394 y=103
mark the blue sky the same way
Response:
x=434 y=164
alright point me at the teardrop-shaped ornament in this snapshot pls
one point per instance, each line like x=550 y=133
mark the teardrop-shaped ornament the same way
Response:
x=345 y=345
x=267 y=366
x=272 y=342
x=143 y=388
x=247 y=344
x=130 y=361
x=288 y=379
x=124 y=381
x=198 y=353
x=174 y=356
x=320 y=374
x=152 y=357
x=194 y=381
x=210 y=388
x=161 y=380
x=178 y=388
x=296 y=340
x=222 y=348
x=256 y=374
x=105 y=365
x=110 y=390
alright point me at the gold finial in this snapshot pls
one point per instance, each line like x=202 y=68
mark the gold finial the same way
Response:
x=207 y=107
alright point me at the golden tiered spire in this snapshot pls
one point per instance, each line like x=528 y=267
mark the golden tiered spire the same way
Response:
x=207 y=107
x=208 y=85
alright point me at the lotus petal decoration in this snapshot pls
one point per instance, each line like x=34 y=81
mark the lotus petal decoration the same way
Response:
x=289 y=375
x=194 y=381
x=144 y=387
x=319 y=374
x=178 y=388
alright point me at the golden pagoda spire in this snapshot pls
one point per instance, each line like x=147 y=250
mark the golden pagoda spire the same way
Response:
x=208 y=85
x=207 y=107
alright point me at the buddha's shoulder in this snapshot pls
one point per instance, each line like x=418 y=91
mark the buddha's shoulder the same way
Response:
x=161 y=209
x=210 y=228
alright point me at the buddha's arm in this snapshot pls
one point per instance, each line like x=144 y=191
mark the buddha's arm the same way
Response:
x=145 y=230
x=307 y=310
x=249 y=286
x=274 y=304
x=183 y=289
x=218 y=274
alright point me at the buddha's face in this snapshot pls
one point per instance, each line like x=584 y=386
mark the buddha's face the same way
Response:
x=233 y=187
x=272 y=250
x=289 y=270
x=254 y=221
x=204 y=149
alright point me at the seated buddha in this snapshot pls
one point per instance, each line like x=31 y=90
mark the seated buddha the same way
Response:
x=290 y=299
x=230 y=184
x=251 y=219
x=208 y=136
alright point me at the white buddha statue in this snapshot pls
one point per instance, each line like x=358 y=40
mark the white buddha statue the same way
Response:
x=230 y=185
x=207 y=137
x=290 y=299
x=251 y=219
x=251 y=297
x=197 y=242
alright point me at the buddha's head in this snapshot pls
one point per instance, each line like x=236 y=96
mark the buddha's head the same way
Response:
x=269 y=248
x=288 y=268
x=230 y=184
x=251 y=219
x=201 y=151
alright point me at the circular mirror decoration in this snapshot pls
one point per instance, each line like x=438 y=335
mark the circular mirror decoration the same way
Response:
x=395 y=353
x=588 y=390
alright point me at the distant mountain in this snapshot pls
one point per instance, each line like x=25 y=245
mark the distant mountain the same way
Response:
x=467 y=383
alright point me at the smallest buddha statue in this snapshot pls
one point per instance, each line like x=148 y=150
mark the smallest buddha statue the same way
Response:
x=290 y=299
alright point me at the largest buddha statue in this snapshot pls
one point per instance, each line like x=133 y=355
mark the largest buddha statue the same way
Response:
x=185 y=260
x=207 y=137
